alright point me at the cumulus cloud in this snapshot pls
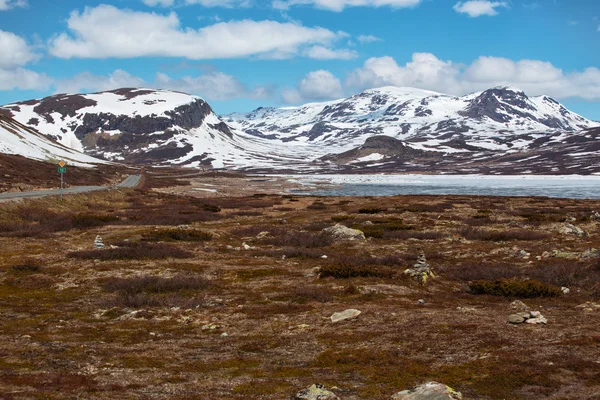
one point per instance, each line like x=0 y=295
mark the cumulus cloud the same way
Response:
x=212 y=85
x=205 y=3
x=15 y=53
x=339 y=5
x=367 y=39
x=106 y=31
x=316 y=85
x=88 y=82
x=426 y=71
x=8 y=4
x=324 y=53
x=477 y=8
x=162 y=3
x=23 y=79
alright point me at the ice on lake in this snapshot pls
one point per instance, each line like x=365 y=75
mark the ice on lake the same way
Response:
x=563 y=186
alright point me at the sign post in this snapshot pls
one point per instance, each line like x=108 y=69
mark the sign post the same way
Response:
x=61 y=170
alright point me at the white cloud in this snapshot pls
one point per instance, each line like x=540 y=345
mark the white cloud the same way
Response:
x=23 y=79
x=477 y=8
x=368 y=39
x=213 y=85
x=88 y=82
x=316 y=85
x=162 y=3
x=14 y=51
x=339 y=5
x=8 y=4
x=426 y=71
x=106 y=31
x=324 y=53
x=204 y=3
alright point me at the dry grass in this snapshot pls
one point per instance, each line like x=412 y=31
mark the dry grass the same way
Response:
x=141 y=323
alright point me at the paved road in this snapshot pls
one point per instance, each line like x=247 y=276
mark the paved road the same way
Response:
x=130 y=182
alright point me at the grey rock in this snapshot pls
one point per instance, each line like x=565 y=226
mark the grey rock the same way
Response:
x=570 y=229
x=345 y=315
x=516 y=319
x=316 y=392
x=429 y=391
x=341 y=232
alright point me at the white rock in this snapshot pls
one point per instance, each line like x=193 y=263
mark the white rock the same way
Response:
x=341 y=232
x=345 y=315
x=429 y=391
x=565 y=290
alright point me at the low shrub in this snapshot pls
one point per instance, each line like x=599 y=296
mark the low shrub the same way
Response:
x=514 y=288
x=501 y=236
x=26 y=266
x=371 y=210
x=185 y=235
x=317 y=205
x=156 y=284
x=340 y=218
x=300 y=239
x=345 y=271
x=133 y=251
x=154 y=291
x=211 y=208
x=414 y=235
x=84 y=220
x=306 y=294
x=480 y=271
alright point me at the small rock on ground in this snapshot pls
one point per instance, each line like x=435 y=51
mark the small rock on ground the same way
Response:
x=344 y=315
x=316 y=392
x=429 y=391
x=341 y=232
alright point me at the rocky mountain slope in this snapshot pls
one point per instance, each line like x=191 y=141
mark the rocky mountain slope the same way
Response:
x=500 y=130
x=19 y=139
x=493 y=119
x=142 y=126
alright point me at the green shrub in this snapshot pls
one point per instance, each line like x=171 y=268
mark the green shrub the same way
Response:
x=514 y=288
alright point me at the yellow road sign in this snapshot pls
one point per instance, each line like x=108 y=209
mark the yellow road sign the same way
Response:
x=62 y=163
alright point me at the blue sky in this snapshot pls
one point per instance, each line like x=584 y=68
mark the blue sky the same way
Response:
x=241 y=54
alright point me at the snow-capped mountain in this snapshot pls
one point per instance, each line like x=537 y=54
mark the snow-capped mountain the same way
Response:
x=143 y=126
x=425 y=119
x=500 y=130
x=16 y=138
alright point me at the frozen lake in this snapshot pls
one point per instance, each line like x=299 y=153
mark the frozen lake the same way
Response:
x=566 y=186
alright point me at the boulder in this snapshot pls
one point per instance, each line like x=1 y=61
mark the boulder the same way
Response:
x=341 y=232
x=429 y=391
x=316 y=392
x=570 y=229
x=344 y=315
x=516 y=319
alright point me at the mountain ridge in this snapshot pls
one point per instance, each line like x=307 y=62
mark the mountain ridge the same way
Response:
x=161 y=127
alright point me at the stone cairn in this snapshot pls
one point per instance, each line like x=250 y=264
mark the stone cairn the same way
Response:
x=98 y=244
x=421 y=271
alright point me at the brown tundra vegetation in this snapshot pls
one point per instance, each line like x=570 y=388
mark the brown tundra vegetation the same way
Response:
x=230 y=297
